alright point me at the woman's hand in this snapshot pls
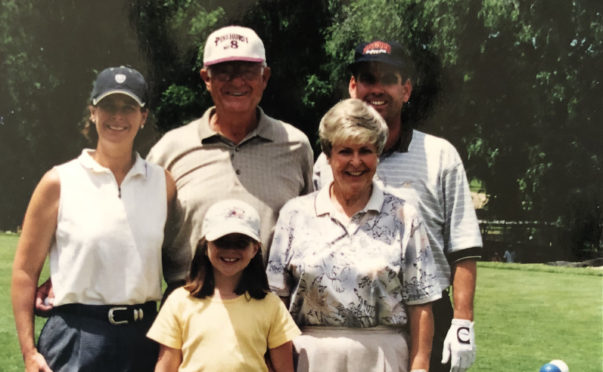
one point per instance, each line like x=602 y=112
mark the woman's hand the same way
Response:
x=44 y=299
x=36 y=363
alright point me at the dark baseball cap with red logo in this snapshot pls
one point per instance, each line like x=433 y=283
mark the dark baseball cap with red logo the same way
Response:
x=389 y=52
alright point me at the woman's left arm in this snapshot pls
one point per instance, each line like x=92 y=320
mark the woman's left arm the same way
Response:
x=39 y=226
x=421 y=335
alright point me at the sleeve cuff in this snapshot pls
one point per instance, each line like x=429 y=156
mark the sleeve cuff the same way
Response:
x=465 y=254
x=425 y=300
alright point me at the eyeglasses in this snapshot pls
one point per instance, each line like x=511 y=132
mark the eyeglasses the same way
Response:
x=386 y=78
x=228 y=72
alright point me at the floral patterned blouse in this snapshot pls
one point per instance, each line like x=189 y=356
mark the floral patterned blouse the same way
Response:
x=351 y=273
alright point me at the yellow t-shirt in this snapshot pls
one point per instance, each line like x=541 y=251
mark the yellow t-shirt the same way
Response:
x=223 y=335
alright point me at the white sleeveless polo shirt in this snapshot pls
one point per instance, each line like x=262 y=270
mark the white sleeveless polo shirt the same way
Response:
x=107 y=247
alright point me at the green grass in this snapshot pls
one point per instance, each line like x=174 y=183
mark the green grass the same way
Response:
x=526 y=315
x=10 y=354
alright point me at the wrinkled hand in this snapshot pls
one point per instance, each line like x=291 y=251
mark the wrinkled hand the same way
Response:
x=36 y=363
x=44 y=299
x=459 y=345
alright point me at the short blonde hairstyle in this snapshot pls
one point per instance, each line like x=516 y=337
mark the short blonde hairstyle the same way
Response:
x=352 y=120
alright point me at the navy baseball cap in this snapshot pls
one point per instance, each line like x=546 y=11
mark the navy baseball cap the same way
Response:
x=123 y=80
x=389 y=52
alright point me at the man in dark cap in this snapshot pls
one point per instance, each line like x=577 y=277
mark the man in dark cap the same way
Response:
x=427 y=169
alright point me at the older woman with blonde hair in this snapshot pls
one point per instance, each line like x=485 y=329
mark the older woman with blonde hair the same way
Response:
x=352 y=261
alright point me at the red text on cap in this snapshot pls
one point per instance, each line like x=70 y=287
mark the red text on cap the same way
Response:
x=377 y=47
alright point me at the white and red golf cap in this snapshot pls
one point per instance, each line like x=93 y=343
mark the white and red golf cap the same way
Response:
x=233 y=43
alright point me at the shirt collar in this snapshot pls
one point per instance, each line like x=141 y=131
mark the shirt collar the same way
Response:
x=403 y=142
x=265 y=129
x=138 y=169
x=324 y=205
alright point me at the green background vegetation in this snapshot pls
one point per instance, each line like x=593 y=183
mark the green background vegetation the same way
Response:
x=514 y=85
x=526 y=315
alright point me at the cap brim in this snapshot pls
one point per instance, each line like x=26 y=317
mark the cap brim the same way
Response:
x=233 y=59
x=96 y=100
x=353 y=66
x=218 y=233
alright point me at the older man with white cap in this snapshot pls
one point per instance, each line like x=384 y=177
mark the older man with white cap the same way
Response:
x=234 y=150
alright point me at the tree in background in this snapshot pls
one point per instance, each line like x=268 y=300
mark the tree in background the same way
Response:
x=173 y=35
x=514 y=85
x=50 y=53
x=531 y=84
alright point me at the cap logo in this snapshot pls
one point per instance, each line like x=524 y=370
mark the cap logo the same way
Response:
x=120 y=78
x=234 y=40
x=377 y=47
x=239 y=213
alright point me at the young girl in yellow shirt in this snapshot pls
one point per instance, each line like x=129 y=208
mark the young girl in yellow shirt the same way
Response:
x=225 y=318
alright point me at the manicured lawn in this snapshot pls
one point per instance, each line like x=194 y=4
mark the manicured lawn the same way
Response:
x=526 y=315
x=10 y=354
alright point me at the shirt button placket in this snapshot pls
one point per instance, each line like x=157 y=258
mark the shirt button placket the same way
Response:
x=236 y=150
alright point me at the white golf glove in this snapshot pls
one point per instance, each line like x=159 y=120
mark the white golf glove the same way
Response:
x=459 y=345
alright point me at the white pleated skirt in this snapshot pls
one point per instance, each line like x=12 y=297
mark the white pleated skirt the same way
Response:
x=332 y=349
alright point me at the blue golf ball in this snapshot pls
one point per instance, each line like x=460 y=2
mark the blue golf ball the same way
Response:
x=555 y=366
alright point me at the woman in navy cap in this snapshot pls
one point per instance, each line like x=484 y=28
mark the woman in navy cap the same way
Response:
x=100 y=218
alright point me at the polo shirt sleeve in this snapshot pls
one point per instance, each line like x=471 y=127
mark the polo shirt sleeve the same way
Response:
x=158 y=153
x=419 y=275
x=464 y=238
x=281 y=250
x=167 y=327
x=307 y=167
x=175 y=258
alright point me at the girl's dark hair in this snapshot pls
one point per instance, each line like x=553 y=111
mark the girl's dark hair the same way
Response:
x=200 y=281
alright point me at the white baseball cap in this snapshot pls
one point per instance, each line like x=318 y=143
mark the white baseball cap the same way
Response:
x=233 y=43
x=231 y=217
